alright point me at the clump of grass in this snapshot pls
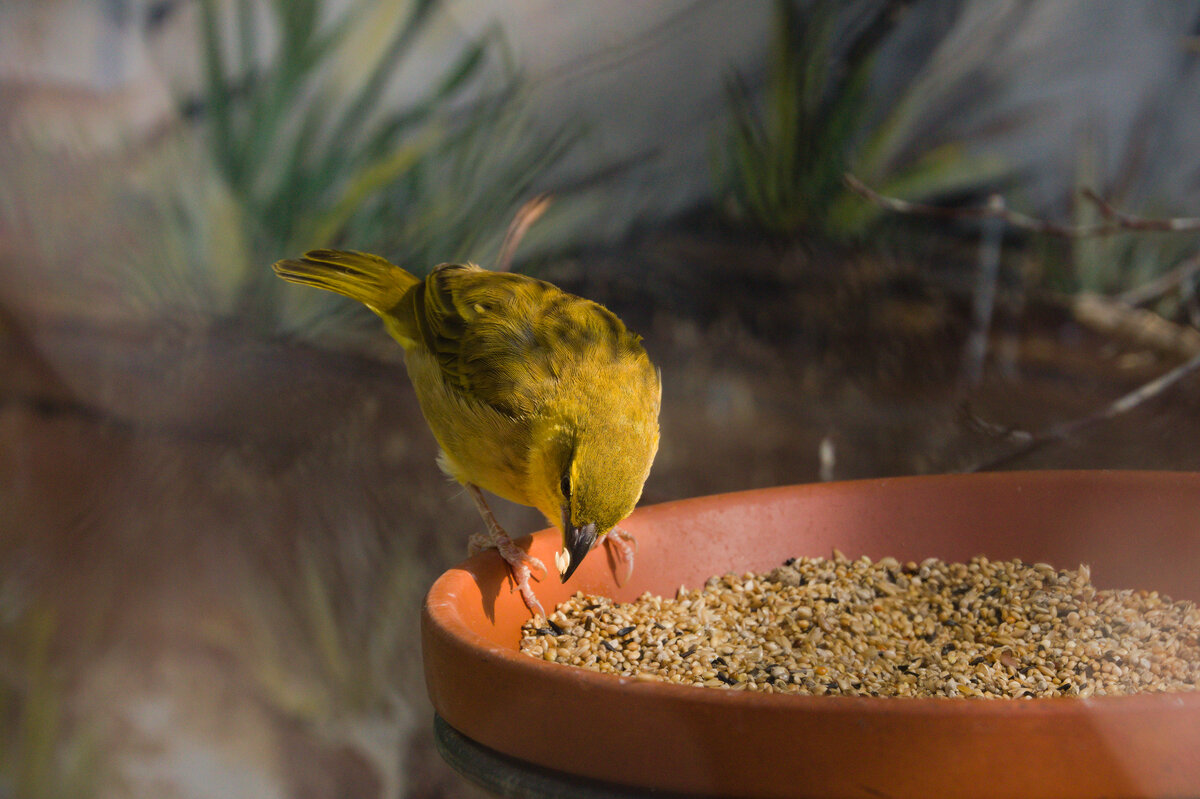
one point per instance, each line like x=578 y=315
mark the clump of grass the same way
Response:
x=782 y=167
x=41 y=755
x=318 y=158
x=1119 y=262
x=333 y=636
x=334 y=613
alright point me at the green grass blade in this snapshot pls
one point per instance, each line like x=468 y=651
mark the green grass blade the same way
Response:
x=367 y=98
x=368 y=181
x=247 y=37
x=41 y=713
x=217 y=95
x=456 y=77
x=322 y=622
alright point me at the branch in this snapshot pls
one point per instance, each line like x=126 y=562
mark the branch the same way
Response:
x=1144 y=328
x=1114 y=221
x=988 y=272
x=1028 y=442
x=1162 y=285
x=1087 y=307
x=1126 y=221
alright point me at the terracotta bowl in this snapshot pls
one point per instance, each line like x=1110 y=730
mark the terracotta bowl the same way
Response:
x=1135 y=529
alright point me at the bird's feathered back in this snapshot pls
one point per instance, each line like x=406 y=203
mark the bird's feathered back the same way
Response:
x=509 y=339
x=537 y=395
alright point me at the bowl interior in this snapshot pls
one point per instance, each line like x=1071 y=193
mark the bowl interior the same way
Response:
x=1135 y=530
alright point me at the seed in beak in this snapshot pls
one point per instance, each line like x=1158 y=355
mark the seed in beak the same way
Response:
x=562 y=559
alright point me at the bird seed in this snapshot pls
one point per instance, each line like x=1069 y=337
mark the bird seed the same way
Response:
x=839 y=626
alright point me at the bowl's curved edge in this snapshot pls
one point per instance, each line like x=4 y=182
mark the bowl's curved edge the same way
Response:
x=1148 y=738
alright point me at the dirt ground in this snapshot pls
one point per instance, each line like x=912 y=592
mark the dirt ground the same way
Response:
x=235 y=532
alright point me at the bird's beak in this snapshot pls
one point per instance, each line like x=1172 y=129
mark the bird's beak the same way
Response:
x=577 y=542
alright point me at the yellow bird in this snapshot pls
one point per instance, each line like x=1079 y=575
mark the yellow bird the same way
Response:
x=534 y=394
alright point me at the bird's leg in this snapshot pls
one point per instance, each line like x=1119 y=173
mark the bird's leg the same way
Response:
x=519 y=561
x=622 y=546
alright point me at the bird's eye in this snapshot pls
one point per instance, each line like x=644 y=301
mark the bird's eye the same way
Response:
x=565 y=485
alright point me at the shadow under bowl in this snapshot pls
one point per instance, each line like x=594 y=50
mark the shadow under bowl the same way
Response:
x=1135 y=530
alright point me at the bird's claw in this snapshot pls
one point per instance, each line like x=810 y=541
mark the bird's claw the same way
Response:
x=622 y=546
x=519 y=559
x=520 y=575
x=521 y=565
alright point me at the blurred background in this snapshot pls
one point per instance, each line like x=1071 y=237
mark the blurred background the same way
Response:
x=219 y=508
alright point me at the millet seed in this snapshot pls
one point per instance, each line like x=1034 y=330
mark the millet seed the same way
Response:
x=839 y=626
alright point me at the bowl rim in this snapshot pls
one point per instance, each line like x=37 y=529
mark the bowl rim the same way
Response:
x=446 y=622
x=695 y=740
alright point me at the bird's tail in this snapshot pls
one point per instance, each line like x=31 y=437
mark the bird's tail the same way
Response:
x=375 y=282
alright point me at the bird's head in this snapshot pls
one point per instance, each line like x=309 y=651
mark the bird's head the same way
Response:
x=594 y=466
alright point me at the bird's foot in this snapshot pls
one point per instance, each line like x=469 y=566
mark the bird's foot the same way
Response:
x=520 y=566
x=520 y=563
x=622 y=546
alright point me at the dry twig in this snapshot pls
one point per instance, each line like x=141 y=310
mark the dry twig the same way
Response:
x=1100 y=311
x=1136 y=325
x=975 y=352
x=1028 y=442
x=1162 y=285
x=1115 y=221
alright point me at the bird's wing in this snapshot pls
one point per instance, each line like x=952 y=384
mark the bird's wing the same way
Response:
x=504 y=338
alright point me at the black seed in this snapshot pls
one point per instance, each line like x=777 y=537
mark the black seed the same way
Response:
x=789 y=561
x=610 y=646
x=977 y=661
x=718 y=661
x=557 y=630
x=625 y=631
x=689 y=653
x=725 y=678
x=545 y=631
